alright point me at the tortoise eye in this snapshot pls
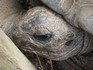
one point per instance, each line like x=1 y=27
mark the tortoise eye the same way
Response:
x=43 y=37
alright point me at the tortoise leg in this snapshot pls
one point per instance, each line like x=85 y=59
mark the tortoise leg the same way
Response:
x=86 y=19
x=77 y=12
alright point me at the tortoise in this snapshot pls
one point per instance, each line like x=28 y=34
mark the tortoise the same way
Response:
x=58 y=30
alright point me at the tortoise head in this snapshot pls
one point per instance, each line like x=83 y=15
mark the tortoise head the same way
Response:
x=47 y=34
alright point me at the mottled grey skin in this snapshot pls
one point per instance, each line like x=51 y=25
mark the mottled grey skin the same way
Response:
x=78 y=13
x=65 y=42
x=43 y=32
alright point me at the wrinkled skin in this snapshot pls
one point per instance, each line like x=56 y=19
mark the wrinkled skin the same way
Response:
x=46 y=33
x=52 y=38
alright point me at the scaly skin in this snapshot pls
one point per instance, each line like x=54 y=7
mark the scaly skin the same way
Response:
x=64 y=41
x=41 y=31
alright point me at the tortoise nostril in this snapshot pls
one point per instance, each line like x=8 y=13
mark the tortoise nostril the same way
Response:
x=43 y=37
x=68 y=42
